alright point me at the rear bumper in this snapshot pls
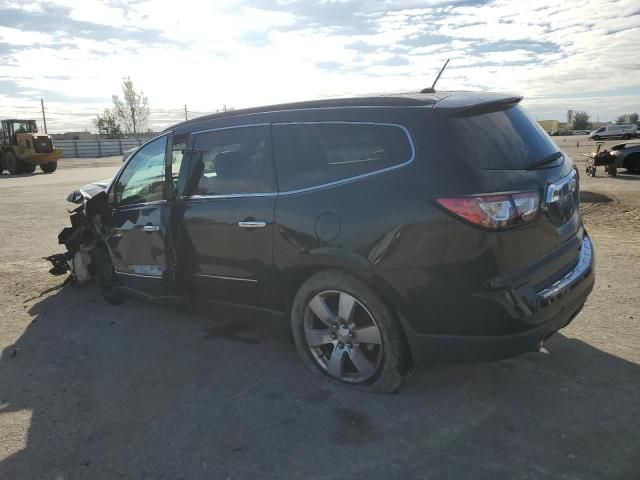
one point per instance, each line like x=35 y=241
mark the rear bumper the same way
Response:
x=556 y=306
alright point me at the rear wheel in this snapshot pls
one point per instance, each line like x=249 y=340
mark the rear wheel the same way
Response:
x=346 y=333
x=49 y=167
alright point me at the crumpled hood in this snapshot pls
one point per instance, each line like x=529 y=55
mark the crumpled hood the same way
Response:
x=88 y=191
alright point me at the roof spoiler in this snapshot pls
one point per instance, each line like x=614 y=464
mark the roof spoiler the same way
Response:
x=471 y=105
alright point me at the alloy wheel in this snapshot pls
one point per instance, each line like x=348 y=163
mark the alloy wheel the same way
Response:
x=342 y=336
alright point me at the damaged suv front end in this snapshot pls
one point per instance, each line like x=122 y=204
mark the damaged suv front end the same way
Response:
x=87 y=256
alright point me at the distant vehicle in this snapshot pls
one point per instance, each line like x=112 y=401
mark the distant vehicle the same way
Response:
x=561 y=133
x=128 y=153
x=22 y=148
x=615 y=131
x=580 y=132
x=627 y=156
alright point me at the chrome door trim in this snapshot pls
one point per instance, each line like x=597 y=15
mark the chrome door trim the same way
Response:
x=220 y=277
x=313 y=187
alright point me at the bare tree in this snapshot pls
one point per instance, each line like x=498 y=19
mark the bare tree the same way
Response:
x=132 y=110
x=627 y=118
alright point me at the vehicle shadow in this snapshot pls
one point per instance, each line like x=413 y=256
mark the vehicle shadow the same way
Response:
x=19 y=175
x=151 y=391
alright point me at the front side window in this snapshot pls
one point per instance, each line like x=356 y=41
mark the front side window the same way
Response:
x=312 y=154
x=143 y=178
x=232 y=161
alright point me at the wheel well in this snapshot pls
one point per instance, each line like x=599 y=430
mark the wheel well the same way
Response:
x=375 y=284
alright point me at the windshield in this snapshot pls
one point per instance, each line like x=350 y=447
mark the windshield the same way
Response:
x=26 y=126
x=501 y=140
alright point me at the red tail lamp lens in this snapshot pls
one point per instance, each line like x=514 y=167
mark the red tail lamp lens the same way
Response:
x=494 y=211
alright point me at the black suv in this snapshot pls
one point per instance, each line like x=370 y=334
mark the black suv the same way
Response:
x=393 y=231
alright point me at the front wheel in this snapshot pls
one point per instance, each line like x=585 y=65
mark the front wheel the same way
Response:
x=11 y=163
x=345 y=333
x=49 y=167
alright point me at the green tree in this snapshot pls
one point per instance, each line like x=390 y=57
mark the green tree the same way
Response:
x=581 y=121
x=107 y=124
x=627 y=119
x=132 y=110
x=622 y=119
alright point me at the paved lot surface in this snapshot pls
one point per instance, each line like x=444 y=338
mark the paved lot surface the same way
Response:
x=144 y=391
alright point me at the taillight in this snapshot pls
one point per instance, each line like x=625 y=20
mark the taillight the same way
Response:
x=495 y=211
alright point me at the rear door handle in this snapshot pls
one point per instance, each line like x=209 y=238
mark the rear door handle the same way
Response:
x=150 y=228
x=252 y=224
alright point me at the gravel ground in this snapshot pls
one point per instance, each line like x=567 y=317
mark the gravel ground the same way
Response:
x=145 y=391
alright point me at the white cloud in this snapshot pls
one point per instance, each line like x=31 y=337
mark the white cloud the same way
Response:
x=239 y=54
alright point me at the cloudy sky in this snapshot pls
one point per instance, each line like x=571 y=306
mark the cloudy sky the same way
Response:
x=206 y=54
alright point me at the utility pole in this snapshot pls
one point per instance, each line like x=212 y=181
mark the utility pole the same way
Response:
x=185 y=112
x=44 y=119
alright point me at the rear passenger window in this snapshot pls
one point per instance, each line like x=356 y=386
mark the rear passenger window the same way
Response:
x=312 y=154
x=233 y=160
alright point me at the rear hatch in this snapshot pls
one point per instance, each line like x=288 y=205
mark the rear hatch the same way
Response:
x=489 y=145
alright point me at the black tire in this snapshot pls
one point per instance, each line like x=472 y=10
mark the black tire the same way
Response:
x=596 y=137
x=105 y=276
x=11 y=163
x=111 y=295
x=392 y=364
x=28 y=167
x=612 y=172
x=49 y=167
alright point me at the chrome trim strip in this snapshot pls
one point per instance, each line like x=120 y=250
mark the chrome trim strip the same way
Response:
x=583 y=266
x=230 y=127
x=229 y=195
x=324 y=185
x=220 y=277
x=140 y=205
x=159 y=277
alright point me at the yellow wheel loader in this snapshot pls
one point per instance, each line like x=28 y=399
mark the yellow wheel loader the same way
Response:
x=22 y=148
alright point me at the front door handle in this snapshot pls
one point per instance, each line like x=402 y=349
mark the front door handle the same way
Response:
x=150 y=228
x=252 y=224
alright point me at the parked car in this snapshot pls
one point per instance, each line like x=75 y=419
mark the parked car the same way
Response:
x=580 y=132
x=627 y=155
x=614 y=131
x=128 y=153
x=393 y=232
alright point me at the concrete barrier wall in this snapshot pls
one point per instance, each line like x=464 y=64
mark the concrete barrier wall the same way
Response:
x=97 y=148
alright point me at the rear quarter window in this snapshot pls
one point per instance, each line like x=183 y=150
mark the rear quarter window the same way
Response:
x=501 y=140
x=313 y=154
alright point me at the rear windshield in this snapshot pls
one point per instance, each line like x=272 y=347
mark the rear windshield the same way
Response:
x=502 y=140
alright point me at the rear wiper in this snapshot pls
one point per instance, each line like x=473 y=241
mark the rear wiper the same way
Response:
x=546 y=160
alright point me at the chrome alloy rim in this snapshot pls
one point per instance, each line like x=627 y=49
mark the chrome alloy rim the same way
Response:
x=343 y=337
